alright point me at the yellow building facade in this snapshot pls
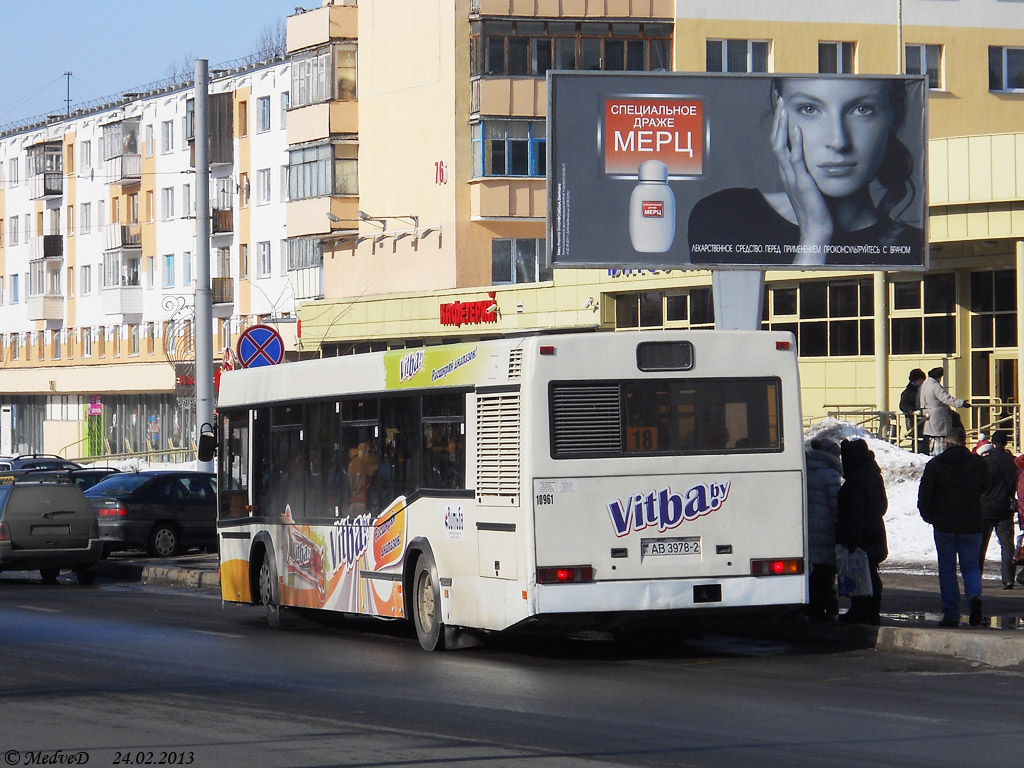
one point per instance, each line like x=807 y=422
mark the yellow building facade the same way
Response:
x=448 y=221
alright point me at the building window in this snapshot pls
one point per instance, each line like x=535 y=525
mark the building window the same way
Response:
x=186 y=269
x=169 y=270
x=133 y=339
x=243 y=118
x=15 y=290
x=243 y=261
x=263 y=114
x=243 y=190
x=994 y=309
x=829 y=318
x=3 y=296
x=518 y=261
x=13 y=234
x=737 y=55
x=14 y=171
x=923 y=315
x=531 y=47
x=148 y=138
x=85 y=277
x=55 y=345
x=657 y=309
x=263 y=186
x=70 y=282
x=509 y=148
x=167 y=136
x=86 y=342
x=303 y=253
x=223 y=262
x=85 y=218
x=186 y=200
x=284 y=109
x=836 y=58
x=1005 y=69
x=167 y=203
x=329 y=169
x=311 y=77
x=85 y=156
x=264 y=263
x=925 y=60
x=150 y=271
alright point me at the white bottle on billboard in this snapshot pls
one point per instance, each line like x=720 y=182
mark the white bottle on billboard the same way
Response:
x=652 y=209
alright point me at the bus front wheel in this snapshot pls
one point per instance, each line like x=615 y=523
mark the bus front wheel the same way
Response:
x=427 y=605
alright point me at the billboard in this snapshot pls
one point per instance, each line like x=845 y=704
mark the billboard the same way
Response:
x=681 y=171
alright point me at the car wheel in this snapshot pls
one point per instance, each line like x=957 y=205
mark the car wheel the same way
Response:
x=49 y=575
x=426 y=610
x=85 y=575
x=266 y=585
x=163 y=540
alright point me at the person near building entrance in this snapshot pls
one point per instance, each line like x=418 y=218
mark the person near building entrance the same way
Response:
x=998 y=504
x=949 y=499
x=937 y=405
x=859 y=524
x=910 y=404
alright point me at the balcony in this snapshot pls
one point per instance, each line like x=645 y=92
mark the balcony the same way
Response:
x=503 y=197
x=511 y=96
x=124 y=169
x=221 y=221
x=45 y=307
x=223 y=290
x=633 y=9
x=47 y=247
x=122 y=300
x=45 y=185
x=321 y=25
x=124 y=236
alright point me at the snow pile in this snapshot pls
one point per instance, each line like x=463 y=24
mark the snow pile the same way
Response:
x=910 y=538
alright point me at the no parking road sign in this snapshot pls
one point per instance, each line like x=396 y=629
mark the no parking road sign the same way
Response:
x=260 y=345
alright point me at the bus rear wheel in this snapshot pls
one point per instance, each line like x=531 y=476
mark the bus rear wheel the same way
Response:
x=427 y=605
x=267 y=576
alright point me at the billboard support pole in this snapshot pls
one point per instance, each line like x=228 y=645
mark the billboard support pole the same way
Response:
x=738 y=296
x=882 y=352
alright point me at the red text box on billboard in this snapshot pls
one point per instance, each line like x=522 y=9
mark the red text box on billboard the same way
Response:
x=637 y=130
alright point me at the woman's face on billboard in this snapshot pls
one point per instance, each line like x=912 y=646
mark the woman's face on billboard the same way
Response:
x=845 y=125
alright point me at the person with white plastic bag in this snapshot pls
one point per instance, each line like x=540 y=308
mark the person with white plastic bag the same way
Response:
x=860 y=526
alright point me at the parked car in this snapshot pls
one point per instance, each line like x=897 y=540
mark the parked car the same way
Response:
x=85 y=478
x=49 y=526
x=37 y=461
x=162 y=511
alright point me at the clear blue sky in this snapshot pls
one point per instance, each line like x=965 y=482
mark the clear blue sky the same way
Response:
x=112 y=46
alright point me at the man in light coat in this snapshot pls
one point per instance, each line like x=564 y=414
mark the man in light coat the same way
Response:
x=936 y=402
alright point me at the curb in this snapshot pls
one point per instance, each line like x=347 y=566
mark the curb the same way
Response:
x=172 y=576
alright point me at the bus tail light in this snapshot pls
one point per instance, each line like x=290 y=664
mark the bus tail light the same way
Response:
x=565 y=574
x=113 y=509
x=547 y=350
x=778 y=567
x=782 y=346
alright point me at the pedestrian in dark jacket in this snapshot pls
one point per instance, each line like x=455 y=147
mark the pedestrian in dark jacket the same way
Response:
x=910 y=407
x=824 y=475
x=1019 y=461
x=862 y=505
x=998 y=505
x=949 y=499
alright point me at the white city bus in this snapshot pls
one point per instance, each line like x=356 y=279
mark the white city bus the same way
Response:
x=590 y=478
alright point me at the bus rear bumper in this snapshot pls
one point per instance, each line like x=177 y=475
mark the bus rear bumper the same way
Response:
x=713 y=595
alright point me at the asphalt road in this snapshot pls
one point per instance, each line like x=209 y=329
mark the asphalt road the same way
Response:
x=128 y=675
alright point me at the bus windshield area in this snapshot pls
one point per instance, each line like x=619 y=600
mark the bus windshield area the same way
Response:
x=672 y=417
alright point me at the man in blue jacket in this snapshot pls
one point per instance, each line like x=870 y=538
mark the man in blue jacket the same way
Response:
x=949 y=499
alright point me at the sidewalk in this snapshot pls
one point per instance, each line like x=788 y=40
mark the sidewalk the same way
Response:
x=911 y=607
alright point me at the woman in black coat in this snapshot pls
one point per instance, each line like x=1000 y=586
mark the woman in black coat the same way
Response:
x=862 y=505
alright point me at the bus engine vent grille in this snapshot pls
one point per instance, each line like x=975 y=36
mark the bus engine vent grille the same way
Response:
x=586 y=420
x=497 y=456
x=515 y=364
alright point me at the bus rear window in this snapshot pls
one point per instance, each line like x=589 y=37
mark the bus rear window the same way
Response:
x=675 y=417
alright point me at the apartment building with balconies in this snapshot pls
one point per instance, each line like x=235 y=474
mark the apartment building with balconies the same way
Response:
x=97 y=261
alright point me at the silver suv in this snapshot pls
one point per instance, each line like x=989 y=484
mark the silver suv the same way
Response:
x=47 y=526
